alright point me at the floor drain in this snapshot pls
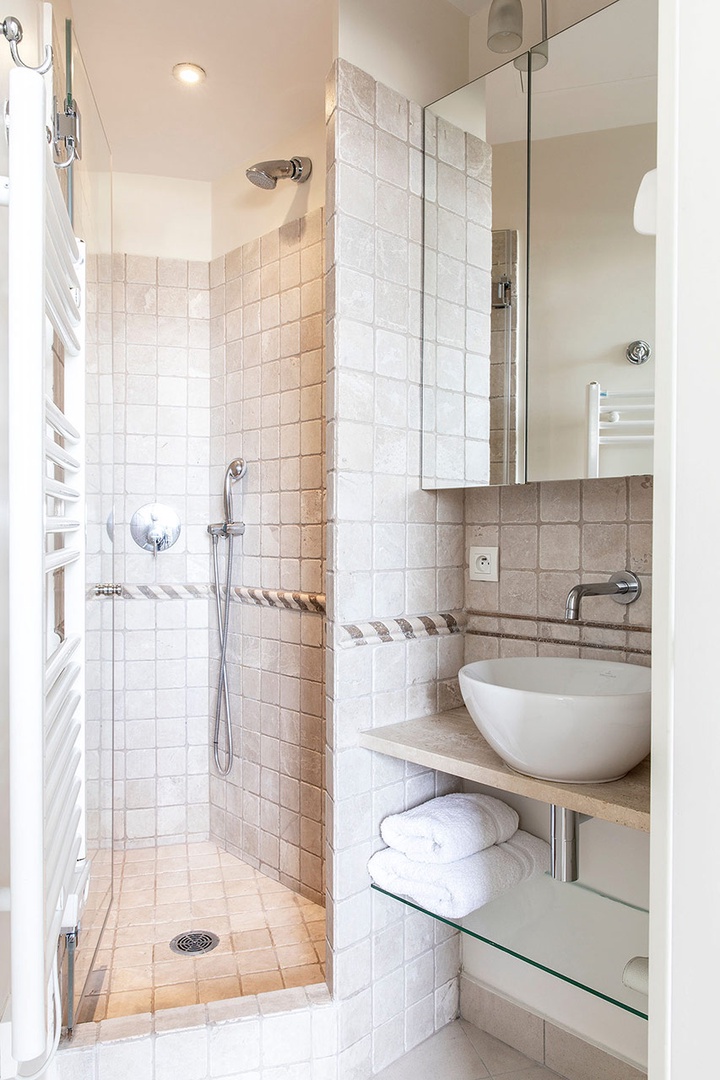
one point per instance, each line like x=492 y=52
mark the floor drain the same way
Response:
x=194 y=941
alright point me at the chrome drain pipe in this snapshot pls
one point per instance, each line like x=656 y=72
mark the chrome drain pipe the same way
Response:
x=564 y=827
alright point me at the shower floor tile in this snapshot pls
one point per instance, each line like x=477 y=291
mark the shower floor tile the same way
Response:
x=270 y=937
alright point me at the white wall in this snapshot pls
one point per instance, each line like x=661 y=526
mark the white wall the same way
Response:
x=685 y=881
x=591 y=284
x=242 y=212
x=420 y=50
x=161 y=216
x=164 y=217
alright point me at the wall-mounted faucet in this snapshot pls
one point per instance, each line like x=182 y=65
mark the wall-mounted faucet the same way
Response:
x=623 y=587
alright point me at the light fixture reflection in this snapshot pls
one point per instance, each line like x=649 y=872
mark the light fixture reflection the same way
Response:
x=537 y=58
x=505 y=26
x=190 y=74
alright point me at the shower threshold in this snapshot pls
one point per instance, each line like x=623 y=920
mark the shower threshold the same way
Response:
x=270 y=938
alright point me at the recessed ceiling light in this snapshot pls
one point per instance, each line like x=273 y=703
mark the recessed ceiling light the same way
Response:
x=191 y=74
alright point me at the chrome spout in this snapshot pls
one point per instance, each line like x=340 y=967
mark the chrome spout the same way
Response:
x=623 y=587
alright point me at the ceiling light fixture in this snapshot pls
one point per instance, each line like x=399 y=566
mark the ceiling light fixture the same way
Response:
x=505 y=26
x=505 y=33
x=190 y=74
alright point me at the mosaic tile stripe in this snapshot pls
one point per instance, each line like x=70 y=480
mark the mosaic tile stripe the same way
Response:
x=404 y=628
x=280 y=598
x=277 y=598
x=165 y=592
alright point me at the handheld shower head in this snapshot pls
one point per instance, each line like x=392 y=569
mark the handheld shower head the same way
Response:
x=235 y=471
x=267 y=173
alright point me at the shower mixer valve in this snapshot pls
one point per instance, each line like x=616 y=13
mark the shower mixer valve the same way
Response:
x=155 y=527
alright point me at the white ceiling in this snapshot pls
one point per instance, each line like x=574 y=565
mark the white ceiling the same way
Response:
x=266 y=64
x=470 y=7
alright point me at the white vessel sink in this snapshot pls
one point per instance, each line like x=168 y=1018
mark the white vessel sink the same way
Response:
x=573 y=721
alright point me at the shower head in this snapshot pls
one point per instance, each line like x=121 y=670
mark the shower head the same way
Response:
x=267 y=173
x=235 y=471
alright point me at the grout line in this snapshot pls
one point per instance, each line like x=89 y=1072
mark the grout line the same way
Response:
x=558 y=641
x=555 y=620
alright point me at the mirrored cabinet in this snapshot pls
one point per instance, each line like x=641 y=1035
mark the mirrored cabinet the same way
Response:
x=539 y=299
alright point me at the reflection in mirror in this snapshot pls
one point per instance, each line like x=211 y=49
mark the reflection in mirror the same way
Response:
x=591 y=275
x=525 y=372
x=471 y=310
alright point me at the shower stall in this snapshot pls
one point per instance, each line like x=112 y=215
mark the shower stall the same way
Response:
x=218 y=836
x=218 y=639
x=202 y=770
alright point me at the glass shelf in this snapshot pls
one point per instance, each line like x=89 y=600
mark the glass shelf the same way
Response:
x=568 y=930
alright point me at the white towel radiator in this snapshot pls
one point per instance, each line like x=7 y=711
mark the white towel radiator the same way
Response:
x=46 y=297
x=618 y=418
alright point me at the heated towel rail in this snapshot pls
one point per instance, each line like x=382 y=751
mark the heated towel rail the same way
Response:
x=617 y=418
x=46 y=295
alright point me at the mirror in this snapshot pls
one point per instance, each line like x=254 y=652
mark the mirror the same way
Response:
x=536 y=282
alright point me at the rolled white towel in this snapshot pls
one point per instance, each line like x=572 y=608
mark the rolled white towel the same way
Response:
x=455 y=889
x=449 y=828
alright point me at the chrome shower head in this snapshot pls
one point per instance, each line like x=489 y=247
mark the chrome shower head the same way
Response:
x=235 y=471
x=267 y=173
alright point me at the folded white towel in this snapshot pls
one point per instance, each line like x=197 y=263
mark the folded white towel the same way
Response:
x=450 y=828
x=455 y=889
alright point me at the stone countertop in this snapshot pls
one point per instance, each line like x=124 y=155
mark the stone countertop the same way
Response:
x=449 y=742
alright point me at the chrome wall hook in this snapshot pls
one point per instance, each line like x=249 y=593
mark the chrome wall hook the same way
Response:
x=13 y=32
x=67 y=134
x=638 y=352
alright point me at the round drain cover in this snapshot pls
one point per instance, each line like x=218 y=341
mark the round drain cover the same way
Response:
x=194 y=941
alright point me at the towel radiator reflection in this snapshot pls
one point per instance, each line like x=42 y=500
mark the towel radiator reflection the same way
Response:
x=617 y=418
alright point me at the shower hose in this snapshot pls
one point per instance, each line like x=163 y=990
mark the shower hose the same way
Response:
x=223 y=621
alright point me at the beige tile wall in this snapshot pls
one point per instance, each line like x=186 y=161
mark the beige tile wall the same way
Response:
x=393 y=549
x=152 y=391
x=99 y=566
x=503 y=360
x=457 y=259
x=551 y=536
x=268 y=407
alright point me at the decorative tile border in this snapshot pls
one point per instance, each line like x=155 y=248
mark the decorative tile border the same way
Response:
x=555 y=621
x=280 y=598
x=276 y=598
x=405 y=628
x=165 y=592
x=541 y=629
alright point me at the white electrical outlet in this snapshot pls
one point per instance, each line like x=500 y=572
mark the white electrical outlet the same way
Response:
x=484 y=563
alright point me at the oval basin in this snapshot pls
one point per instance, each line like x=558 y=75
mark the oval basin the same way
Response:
x=573 y=721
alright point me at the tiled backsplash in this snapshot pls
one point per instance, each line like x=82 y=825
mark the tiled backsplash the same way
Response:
x=552 y=536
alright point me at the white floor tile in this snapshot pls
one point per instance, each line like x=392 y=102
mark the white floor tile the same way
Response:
x=449 y=1053
x=537 y=1073
x=465 y=1053
x=497 y=1057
